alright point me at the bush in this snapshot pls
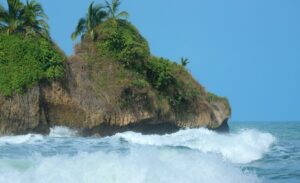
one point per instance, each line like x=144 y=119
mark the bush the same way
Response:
x=122 y=41
x=26 y=60
x=173 y=82
x=159 y=73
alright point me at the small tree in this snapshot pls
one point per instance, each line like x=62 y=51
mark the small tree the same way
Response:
x=184 y=62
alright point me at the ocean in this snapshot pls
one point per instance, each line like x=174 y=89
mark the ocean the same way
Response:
x=250 y=153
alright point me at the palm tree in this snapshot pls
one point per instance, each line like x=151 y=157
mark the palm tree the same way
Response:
x=184 y=62
x=11 y=19
x=87 y=25
x=29 y=18
x=35 y=18
x=113 y=10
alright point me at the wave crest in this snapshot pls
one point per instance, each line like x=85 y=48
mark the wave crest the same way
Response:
x=242 y=147
x=61 y=131
x=20 y=139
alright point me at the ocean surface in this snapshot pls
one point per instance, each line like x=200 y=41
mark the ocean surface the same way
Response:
x=252 y=152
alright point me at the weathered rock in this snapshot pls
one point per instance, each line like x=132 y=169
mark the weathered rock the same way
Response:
x=73 y=102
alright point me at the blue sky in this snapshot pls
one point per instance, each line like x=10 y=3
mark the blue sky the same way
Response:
x=246 y=50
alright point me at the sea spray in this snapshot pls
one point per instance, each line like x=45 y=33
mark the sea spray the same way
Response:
x=21 y=139
x=61 y=131
x=188 y=156
x=242 y=147
x=138 y=165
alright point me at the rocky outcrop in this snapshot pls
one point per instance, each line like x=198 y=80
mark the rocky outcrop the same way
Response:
x=73 y=102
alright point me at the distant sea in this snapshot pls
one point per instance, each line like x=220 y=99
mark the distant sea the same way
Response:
x=252 y=152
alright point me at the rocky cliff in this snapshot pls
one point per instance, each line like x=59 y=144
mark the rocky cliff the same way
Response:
x=74 y=102
x=112 y=84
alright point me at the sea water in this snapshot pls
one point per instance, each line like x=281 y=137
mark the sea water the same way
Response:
x=251 y=153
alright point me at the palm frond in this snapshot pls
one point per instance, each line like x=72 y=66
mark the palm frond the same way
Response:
x=14 y=8
x=123 y=14
x=2 y=10
x=80 y=28
x=109 y=9
x=36 y=9
x=35 y=19
x=115 y=6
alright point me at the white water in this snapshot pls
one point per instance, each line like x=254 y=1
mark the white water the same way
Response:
x=243 y=147
x=189 y=156
x=20 y=139
x=61 y=131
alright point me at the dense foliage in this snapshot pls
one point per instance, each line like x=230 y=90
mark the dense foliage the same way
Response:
x=173 y=82
x=26 y=18
x=26 y=60
x=159 y=73
x=122 y=41
x=98 y=13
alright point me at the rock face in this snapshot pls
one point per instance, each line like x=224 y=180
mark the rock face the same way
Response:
x=73 y=102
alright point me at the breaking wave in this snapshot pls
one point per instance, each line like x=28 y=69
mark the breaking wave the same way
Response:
x=188 y=156
x=243 y=147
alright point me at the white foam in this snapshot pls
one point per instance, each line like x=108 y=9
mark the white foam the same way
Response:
x=61 y=131
x=243 y=147
x=20 y=139
x=139 y=165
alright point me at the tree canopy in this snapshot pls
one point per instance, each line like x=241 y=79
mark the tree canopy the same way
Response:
x=27 y=18
x=97 y=14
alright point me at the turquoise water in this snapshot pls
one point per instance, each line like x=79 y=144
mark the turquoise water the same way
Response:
x=252 y=152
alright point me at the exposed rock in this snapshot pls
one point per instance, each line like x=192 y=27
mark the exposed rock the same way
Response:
x=73 y=102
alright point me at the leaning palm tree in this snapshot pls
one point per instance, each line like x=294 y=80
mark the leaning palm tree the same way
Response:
x=88 y=24
x=19 y=17
x=113 y=10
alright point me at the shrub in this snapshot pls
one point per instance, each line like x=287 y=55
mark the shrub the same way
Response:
x=26 y=60
x=121 y=41
x=173 y=82
x=159 y=73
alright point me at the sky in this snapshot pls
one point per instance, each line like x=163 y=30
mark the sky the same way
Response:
x=246 y=50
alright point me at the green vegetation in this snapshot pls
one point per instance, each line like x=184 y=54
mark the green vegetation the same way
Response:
x=27 y=54
x=113 y=10
x=118 y=44
x=114 y=48
x=159 y=73
x=123 y=43
x=96 y=15
x=184 y=62
x=174 y=83
x=26 y=18
x=87 y=25
x=25 y=61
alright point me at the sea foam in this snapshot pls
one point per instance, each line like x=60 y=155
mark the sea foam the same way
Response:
x=188 y=156
x=61 y=131
x=242 y=147
x=139 y=165
x=20 y=139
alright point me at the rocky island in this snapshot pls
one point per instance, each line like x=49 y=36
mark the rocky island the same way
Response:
x=111 y=84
